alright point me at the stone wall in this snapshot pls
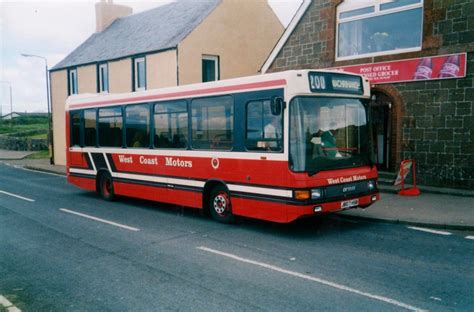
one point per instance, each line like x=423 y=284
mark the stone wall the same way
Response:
x=21 y=141
x=435 y=119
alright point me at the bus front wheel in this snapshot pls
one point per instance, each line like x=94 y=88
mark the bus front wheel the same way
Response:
x=220 y=205
x=106 y=187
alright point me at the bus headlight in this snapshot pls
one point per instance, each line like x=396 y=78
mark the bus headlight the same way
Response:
x=316 y=193
x=371 y=185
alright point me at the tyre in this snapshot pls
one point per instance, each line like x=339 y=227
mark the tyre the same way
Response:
x=106 y=187
x=220 y=205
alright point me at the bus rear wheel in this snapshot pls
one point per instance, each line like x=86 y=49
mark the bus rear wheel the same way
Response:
x=220 y=205
x=106 y=187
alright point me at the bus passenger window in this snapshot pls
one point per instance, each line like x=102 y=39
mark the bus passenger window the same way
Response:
x=137 y=125
x=264 y=129
x=76 y=129
x=110 y=127
x=90 y=127
x=171 y=125
x=213 y=123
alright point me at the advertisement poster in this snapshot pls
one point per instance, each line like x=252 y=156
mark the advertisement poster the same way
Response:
x=425 y=68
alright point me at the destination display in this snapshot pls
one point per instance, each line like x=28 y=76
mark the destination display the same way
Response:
x=335 y=83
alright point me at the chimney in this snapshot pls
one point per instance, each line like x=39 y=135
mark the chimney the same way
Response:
x=107 y=12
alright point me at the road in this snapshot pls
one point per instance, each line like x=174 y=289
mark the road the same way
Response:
x=65 y=249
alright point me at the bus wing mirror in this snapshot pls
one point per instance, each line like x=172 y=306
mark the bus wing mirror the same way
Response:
x=277 y=105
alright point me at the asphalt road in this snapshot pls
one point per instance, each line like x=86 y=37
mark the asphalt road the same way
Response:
x=156 y=257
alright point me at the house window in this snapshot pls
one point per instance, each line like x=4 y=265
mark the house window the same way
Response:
x=210 y=68
x=378 y=27
x=103 y=70
x=72 y=83
x=139 y=74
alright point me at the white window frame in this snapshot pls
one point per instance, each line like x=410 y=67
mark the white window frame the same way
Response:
x=215 y=59
x=73 y=85
x=101 y=77
x=350 y=5
x=135 y=73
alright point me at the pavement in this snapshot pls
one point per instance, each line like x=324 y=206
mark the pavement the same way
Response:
x=434 y=208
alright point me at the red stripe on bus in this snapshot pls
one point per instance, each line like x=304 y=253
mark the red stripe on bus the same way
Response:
x=253 y=85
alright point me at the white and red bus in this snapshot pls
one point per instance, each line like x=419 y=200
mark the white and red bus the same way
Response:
x=276 y=147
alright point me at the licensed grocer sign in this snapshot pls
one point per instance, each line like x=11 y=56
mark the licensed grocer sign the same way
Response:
x=424 y=68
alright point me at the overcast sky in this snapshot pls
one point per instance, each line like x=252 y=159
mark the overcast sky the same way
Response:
x=53 y=29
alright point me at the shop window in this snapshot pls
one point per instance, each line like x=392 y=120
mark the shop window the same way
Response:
x=374 y=27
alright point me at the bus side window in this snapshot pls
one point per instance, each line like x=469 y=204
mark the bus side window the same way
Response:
x=213 y=123
x=76 y=129
x=137 y=125
x=90 y=127
x=171 y=125
x=110 y=127
x=264 y=129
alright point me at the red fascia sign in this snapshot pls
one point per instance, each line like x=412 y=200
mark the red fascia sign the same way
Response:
x=425 y=68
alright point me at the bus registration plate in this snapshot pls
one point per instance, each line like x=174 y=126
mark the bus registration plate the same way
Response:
x=350 y=203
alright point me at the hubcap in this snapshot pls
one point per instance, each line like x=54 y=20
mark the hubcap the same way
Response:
x=220 y=203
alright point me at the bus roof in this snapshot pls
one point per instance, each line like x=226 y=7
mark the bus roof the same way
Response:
x=291 y=80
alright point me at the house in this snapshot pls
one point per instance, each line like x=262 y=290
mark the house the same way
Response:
x=15 y=115
x=179 y=43
x=419 y=56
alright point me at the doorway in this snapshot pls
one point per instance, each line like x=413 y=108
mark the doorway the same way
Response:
x=381 y=115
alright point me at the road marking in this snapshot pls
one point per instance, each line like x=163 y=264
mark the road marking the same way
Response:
x=100 y=220
x=8 y=305
x=429 y=230
x=312 y=278
x=469 y=237
x=17 y=196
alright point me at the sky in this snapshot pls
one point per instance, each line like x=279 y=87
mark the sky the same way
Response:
x=52 y=29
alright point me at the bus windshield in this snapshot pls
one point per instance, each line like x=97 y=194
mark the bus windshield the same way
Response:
x=328 y=133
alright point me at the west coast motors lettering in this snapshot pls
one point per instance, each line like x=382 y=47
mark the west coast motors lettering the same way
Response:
x=143 y=160
x=176 y=162
x=346 y=179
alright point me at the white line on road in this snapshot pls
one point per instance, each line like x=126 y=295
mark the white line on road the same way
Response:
x=8 y=305
x=313 y=279
x=17 y=196
x=469 y=237
x=428 y=230
x=100 y=220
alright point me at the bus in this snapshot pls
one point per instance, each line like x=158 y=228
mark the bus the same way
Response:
x=276 y=147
